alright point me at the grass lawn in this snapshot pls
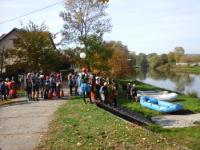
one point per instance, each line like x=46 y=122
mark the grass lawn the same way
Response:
x=189 y=103
x=188 y=136
x=79 y=126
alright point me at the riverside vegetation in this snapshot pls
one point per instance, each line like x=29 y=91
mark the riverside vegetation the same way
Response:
x=188 y=136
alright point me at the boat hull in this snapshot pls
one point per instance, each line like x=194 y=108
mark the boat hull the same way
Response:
x=158 y=105
x=162 y=95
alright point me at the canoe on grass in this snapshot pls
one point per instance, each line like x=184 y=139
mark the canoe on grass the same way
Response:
x=160 y=95
x=158 y=105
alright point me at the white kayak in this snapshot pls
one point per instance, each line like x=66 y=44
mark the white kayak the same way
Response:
x=160 y=95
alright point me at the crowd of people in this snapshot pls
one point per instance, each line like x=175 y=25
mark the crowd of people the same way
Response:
x=38 y=85
x=7 y=89
x=131 y=92
x=35 y=84
x=91 y=86
x=94 y=87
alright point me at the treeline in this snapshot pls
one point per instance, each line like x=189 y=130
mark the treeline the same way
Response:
x=165 y=61
x=105 y=58
x=34 y=50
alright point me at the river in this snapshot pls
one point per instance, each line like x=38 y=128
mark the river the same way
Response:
x=180 y=82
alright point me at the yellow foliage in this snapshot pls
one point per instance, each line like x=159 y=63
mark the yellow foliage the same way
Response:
x=119 y=63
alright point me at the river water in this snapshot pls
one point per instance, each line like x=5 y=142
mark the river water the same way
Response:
x=180 y=82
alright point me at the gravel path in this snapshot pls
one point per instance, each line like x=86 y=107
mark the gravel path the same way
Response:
x=177 y=121
x=23 y=124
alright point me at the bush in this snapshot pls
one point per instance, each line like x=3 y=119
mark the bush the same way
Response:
x=192 y=94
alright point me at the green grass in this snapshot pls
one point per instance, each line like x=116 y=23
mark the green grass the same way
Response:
x=188 y=136
x=185 y=136
x=79 y=126
x=187 y=69
x=188 y=102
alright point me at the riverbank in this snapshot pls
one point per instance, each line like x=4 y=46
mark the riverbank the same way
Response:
x=84 y=126
x=191 y=104
x=186 y=69
x=187 y=136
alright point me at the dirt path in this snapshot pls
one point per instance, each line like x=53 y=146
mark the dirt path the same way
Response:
x=177 y=121
x=23 y=124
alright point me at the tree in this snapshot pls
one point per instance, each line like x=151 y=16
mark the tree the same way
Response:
x=153 y=61
x=34 y=49
x=171 y=57
x=132 y=58
x=84 y=18
x=98 y=54
x=142 y=61
x=3 y=56
x=179 y=52
x=163 y=59
x=119 y=62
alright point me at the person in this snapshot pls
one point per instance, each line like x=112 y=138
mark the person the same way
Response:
x=52 y=82
x=133 y=93
x=3 y=90
x=7 y=86
x=58 y=87
x=70 y=83
x=114 y=93
x=46 y=88
x=97 y=86
x=85 y=87
x=104 y=93
x=128 y=91
x=11 y=90
x=76 y=83
x=28 y=86
x=35 y=86
x=42 y=84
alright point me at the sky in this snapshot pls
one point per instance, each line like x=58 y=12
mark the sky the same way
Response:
x=145 y=26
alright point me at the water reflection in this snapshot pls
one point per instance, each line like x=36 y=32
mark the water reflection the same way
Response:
x=180 y=82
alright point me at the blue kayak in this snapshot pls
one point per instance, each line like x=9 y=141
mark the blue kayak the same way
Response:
x=158 y=105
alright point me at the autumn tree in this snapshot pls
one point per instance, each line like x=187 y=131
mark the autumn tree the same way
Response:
x=98 y=53
x=34 y=49
x=84 y=18
x=119 y=61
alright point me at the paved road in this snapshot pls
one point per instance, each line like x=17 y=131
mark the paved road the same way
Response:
x=23 y=124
